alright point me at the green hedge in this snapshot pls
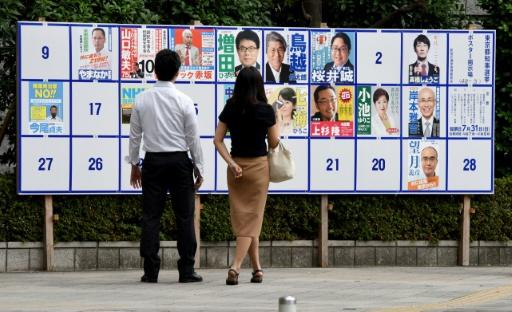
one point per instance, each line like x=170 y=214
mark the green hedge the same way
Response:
x=390 y=217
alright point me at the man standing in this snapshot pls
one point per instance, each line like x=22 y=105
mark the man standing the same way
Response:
x=168 y=121
x=427 y=125
x=189 y=54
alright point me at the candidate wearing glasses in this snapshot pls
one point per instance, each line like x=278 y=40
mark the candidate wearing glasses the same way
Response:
x=326 y=103
x=427 y=125
x=429 y=161
x=248 y=47
x=340 y=65
x=275 y=70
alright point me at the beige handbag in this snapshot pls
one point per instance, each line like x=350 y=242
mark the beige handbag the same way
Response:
x=281 y=164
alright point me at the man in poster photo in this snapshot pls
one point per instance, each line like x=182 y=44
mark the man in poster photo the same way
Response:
x=98 y=40
x=326 y=103
x=189 y=54
x=429 y=161
x=422 y=70
x=53 y=117
x=340 y=65
x=275 y=70
x=101 y=53
x=247 y=46
x=427 y=125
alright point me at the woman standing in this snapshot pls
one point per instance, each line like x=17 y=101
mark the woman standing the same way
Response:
x=249 y=120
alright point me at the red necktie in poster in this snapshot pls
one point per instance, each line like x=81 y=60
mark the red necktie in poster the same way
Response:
x=187 y=57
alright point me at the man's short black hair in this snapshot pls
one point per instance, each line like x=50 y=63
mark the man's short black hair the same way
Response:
x=247 y=34
x=316 y=94
x=100 y=30
x=343 y=36
x=167 y=64
x=53 y=107
x=421 y=38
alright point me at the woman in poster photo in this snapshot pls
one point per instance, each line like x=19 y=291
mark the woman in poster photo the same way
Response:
x=382 y=121
x=285 y=110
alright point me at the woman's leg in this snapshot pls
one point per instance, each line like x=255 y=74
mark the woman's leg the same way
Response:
x=254 y=253
x=242 y=245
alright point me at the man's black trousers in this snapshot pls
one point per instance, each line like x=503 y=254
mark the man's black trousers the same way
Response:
x=163 y=172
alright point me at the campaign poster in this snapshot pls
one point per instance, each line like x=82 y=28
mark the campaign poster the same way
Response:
x=332 y=57
x=128 y=93
x=332 y=112
x=378 y=111
x=422 y=106
x=471 y=57
x=230 y=58
x=424 y=58
x=424 y=165
x=46 y=107
x=286 y=56
x=139 y=47
x=224 y=93
x=95 y=53
x=196 y=48
x=290 y=105
x=470 y=112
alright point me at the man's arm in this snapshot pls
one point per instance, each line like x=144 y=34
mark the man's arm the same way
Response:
x=193 y=141
x=134 y=147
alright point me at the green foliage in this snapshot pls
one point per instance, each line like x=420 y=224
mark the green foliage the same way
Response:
x=212 y=12
x=500 y=18
x=215 y=225
x=394 y=218
x=493 y=216
x=21 y=217
x=366 y=13
x=391 y=217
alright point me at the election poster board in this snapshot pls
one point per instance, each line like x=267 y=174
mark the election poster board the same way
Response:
x=371 y=111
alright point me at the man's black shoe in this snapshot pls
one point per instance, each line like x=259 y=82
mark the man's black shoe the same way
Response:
x=191 y=278
x=147 y=279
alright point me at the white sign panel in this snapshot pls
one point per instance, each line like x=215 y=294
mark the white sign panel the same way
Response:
x=362 y=110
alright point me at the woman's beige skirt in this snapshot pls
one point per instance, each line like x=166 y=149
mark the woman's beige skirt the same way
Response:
x=248 y=195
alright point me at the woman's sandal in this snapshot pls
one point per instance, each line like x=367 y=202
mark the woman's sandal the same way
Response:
x=232 y=277
x=257 y=278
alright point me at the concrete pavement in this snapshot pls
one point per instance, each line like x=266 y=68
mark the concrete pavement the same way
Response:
x=375 y=289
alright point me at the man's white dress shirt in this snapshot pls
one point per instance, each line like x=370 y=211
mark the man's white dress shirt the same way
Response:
x=167 y=118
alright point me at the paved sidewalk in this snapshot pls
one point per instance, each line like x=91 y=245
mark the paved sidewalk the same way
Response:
x=383 y=289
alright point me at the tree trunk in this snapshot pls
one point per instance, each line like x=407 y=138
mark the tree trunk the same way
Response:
x=312 y=10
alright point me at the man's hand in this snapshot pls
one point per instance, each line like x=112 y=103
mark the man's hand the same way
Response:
x=199 y=178
x=135 y=177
